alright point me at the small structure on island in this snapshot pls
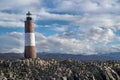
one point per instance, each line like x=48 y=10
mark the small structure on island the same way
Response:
x=30 y=49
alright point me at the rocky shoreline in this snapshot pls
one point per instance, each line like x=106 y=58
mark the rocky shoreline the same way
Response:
x=39 y=69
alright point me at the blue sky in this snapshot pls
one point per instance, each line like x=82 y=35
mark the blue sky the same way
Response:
x=63 y=26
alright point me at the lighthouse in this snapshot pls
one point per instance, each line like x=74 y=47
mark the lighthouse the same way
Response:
x=30 y=49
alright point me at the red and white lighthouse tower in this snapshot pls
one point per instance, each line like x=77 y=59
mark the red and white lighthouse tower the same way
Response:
x=30 y=50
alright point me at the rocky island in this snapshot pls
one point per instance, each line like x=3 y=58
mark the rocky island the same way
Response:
x=40 y=69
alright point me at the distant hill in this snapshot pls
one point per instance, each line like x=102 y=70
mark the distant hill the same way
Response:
x=11 y=56
x=59 y=56
x=100 y=57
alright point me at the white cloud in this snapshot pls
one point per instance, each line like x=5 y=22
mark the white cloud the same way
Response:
x=99 y=12
x=104 y=20
x=14 y=42
x=99 y=35
x=58 y=28
x=13 y=12
x=107 y=49
x=11 y=24
x=97 y=20
x=44 y=15
x=21 y=5
x=11 y=42
x=86 y=5
x=63 y=45
x=75 y=5
x=11 y=20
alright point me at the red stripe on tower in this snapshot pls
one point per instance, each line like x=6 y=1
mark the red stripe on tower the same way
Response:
x=30 y=50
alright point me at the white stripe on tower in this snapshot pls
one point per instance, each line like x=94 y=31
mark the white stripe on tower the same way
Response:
x=29 y=39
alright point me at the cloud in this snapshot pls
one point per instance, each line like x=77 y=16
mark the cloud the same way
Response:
x=19 y=5
x=79 y=26
x=63 y=45
x=11 y=20
x=87 y=6
x=107 y=49
x=44 y=15
x=13 y=12
x=100 y=35
x=76 y=7
x=14 y=42
x=58 y=28
x=11 y=42
x=85 y=12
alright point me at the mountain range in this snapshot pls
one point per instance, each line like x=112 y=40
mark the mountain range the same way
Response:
x=61 y=56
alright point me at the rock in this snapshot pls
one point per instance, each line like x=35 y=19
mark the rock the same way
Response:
x=111 y=74
x=38 y=69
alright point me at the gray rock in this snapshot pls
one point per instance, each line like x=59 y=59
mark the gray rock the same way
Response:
x=38 y=69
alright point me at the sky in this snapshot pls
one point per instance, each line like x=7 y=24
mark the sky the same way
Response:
x=62 y=26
